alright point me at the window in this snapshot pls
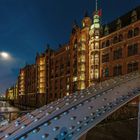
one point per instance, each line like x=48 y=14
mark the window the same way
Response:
x=75 y=44
x=132 y=49
x=74 y=86
x=132 y=67
x=107 y=43
x=105 y=58
x=83 y=24
x=105 y=72
x=55 y=95
x=117 y=54
x=96 y=73
x=83 y=38
x=75 y=71
x=81 y=85
x=117 y=70
x=130 y=34
x=115 y=39
x=120 y=37
x=103 y=45
x=136 y=31
x=97 y=45
x=96 y=59
x=74 y=78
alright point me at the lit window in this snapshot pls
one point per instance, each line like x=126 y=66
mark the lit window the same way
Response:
x=83 y=24
x=82 y=67
x=96 y=73
x=81 y=58
x=74 y=79
x=82 y=76
x=97 y=45
x=68 y=87
x=83 y=38
x=82 y=85
x=96 y=37
x=96 y=59
x=67 y=93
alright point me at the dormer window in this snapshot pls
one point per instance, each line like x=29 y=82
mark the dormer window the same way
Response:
x=106 y=30
x=119 y=24
x=134 y=16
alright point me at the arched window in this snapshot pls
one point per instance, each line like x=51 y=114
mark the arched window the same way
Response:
x=130 y=34
x=136 y=31
x=134 y=16
x=106 y=30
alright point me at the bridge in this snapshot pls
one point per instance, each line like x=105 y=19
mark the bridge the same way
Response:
x=71 y=117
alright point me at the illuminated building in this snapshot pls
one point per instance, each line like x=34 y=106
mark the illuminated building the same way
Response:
x=16 y=91
x=94 y=53
x=41 y=78
x=10 y=93
x=21 y=82
x=27 y=86
x=120 y=46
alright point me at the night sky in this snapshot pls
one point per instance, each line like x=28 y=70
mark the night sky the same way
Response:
x=26 y=26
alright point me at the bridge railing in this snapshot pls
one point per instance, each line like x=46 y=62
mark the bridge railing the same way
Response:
x=9 y=116
x=90 y=106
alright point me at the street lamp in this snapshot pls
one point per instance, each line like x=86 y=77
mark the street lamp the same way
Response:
x=5 y=55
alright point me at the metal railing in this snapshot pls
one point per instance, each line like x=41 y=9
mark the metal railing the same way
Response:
x=73 y=115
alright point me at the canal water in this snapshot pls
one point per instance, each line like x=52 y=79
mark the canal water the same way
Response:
x=7 y=113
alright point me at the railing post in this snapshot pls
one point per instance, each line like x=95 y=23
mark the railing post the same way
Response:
x=138 y=120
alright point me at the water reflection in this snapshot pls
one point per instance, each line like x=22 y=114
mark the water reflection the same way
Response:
x=7 y=113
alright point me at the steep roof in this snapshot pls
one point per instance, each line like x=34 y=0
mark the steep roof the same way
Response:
x=125 y=21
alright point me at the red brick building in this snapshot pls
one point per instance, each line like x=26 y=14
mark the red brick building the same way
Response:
x=95 y=52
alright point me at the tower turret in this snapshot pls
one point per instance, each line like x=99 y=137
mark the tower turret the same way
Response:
x=86 y=22
x=94 y=44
